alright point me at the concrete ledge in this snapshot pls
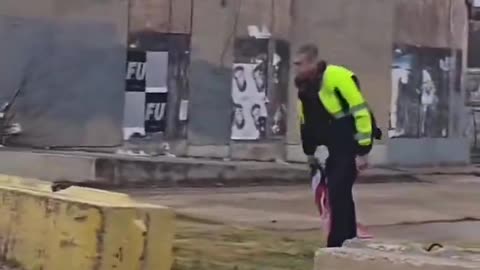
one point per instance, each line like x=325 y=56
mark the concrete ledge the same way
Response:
x=178 y=171
x=367 y=255
x=123 y=170
x=211 y=151
x=81 y=229
x=378 y=155
x=47 y=166
x=257 y=151
x=115 y=170
x=428 y=151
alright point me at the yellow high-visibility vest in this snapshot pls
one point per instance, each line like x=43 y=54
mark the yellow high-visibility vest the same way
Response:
x=338 y=81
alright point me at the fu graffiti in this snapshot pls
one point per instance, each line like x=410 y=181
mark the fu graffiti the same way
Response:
x=136 y=71
x=155 y=111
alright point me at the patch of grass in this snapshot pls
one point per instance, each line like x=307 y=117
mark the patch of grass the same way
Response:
x=207 y=246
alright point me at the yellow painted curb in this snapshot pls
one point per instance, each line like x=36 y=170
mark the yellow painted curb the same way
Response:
x=81 y=229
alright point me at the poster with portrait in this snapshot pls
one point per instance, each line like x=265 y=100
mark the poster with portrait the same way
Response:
x=249 y=102
x=249 y=89
x=259 y=108
x=472 y=88
x=421 y=83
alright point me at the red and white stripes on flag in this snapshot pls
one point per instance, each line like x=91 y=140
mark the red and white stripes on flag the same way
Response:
x=320 y=191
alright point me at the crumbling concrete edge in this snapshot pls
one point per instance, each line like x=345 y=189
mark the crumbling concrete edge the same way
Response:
x=383 y=255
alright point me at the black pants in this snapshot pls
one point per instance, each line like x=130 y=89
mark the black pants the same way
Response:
x=341 y=174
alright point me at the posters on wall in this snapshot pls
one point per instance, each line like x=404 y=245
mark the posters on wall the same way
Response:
x=249 y=99
x=146 y=93
x=421 y=79
x=472 y=128
x=279 y=97
x=472 y=87
x=156 y=92
x=257 y=112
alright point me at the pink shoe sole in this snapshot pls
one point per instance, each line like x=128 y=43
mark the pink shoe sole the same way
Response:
x=362 y=232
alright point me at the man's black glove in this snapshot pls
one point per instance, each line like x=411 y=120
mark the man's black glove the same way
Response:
x=377 y=133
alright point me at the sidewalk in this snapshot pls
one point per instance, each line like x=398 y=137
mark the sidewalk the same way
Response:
x=134 y=170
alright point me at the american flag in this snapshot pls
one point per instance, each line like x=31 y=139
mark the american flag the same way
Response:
x=320 y=191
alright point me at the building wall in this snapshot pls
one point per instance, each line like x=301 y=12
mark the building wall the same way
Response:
x=217 y=28
x=159 y=45
x=296 y=22
x=427 y=33
x=206 y=39
x=210 y=73
x=361 y=36
x=68 y=58
x=357 y=34
x=472 y=83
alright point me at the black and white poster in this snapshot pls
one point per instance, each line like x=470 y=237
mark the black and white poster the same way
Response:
x=146 y=93
x=259 y=109
x=279 y=96
x=134 y=111
x=420 y=91
x=155 y=112
x=472 y=128
x=472 y=87
x=249 y=98
x=249 y=90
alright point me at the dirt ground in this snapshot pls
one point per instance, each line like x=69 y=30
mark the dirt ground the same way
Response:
x=207 y=246
x=278 y=228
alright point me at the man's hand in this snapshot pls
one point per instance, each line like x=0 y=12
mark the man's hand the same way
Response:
x=361 y=162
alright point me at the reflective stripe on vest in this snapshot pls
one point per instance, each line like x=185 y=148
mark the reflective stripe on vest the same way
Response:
x=352 y=111
x=301 y=117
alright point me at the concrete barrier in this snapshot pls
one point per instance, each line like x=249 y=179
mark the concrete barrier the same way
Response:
x=81 y=229
x=374 y=255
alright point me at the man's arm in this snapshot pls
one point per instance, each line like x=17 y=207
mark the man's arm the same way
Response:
x=306 y=134
x=308 y=141
x=358 y=108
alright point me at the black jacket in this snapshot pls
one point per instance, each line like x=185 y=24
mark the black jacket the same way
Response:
x=320 y=128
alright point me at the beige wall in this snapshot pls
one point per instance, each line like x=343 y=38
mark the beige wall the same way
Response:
x=434 y=24
x=357 y=34
x=164 y=16
x=215 y=28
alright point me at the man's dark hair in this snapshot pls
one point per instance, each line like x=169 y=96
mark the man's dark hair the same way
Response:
x=236 y=107
x=260 y=68
x=309 y=50
x=255 y=107
x=238 y=68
